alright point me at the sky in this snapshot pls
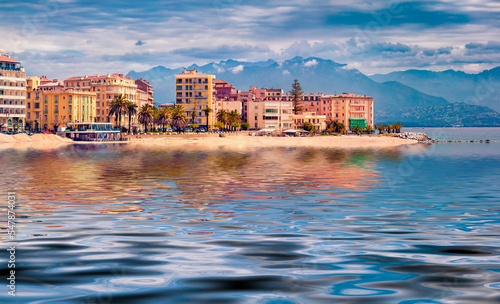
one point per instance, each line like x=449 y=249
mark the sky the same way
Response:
x=63 y=38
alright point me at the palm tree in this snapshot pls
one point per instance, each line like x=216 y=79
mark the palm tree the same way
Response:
x=233 y=118
x=146 y=116
x=164 y=117
x=179 y=119
x=369 y=129
x=207 y=111
x=117 y=107
x=356 y=129
x=131 y=111
x=222 y=116
x=340 y=127
x=193 y=116
x=380 y=128
x=397 y=127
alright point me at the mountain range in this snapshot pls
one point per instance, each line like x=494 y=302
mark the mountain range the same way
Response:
x=393 y=99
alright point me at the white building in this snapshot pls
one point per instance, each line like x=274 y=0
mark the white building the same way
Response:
x=12 y=94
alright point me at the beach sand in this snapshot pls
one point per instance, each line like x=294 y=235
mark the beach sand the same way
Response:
x=245 y=142
x=238 y=141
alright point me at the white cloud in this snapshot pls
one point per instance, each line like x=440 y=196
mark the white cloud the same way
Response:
x=237 y=69
x=311 y=63
x=286 y=72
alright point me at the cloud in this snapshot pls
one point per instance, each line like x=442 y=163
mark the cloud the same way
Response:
x=237 y=69
x=311 y=63
x=286 y=72
x=491 y=47
x=139 y=43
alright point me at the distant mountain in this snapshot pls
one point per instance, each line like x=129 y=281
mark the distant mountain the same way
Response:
x=315 y=75
x=455 y=86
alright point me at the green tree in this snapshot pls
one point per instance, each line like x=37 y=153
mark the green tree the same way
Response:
x=296 y=94
x=380 y=128
x=357 y=129
x=223 y=116
x=118 y=107
x=164 y=117
x=146 y=116
x=219 y=125
x=179 y=119
x=397 y=127
x=369 y=129
x=245 y=125
x=193 y=116
x=207 y=111
x=234 y=118
x=307 y=126
x=131 y=111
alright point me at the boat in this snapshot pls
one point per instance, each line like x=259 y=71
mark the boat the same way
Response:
x=92 y=131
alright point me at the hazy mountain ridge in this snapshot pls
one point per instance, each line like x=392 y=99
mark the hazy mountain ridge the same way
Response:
x=455 y=86
x=316 y=75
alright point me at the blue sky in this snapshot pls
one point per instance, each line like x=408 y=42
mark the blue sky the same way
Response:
x=61 y=38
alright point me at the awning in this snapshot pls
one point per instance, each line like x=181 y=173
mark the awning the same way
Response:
x=267 y=130
x=291 y=131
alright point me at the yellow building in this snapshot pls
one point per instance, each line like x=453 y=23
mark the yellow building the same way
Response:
x=196 y=92
x=48 y=108
x=106 y=87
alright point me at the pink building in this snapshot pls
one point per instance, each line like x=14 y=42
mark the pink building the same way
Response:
x=224 y=91
x=147 y=88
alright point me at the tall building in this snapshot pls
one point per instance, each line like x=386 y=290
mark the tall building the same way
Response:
x=106 y=87
x=145 y=93
x=349 y=109
x=12 y=94
x=49 y=105
x=196 y=92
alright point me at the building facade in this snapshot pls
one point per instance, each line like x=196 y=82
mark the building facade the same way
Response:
x=145 y=90
x=270 y=114
x=106 y=87
x=12 y=94
x=50 y=108
x=195 y=92
x=318 y=121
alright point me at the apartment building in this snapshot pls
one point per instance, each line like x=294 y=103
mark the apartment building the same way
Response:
x=195 y=92
x=106 y=87
x=48 y=105
x=145 y=92
x=12 y=94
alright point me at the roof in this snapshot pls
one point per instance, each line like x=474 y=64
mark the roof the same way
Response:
x=98 y=76
x=5 y=58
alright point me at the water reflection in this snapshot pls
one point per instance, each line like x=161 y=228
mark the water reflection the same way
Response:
x=116 y=224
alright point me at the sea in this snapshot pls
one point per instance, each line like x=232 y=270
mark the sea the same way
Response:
x=112 y=223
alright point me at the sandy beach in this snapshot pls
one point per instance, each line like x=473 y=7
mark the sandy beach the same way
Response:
x=240 y=141
x=244 y=141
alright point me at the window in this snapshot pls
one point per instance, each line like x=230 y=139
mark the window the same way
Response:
x=29 y=105
x=37 y=105
x=45 y=98
x=29 y=95
x=70 y=108
x=29 y=115
x=45 y=109
x=56 y=98
x=56 y=109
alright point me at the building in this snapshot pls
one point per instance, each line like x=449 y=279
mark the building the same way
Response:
x=145 y=90
x=106 y=87
x=195 y=92
x=49 y=108
x=349 y=109
x=270 y=114
x=224 y=91
x=12 y=94
x=318 y=121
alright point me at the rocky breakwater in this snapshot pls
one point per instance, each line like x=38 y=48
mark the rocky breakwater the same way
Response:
x=420 y=137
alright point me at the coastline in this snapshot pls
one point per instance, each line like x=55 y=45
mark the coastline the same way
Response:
x=239 y=141
x=245 y=142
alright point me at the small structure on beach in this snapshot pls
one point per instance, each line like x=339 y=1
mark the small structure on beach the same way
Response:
x=92 y=131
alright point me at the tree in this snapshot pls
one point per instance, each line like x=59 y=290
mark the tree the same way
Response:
x=356 y=129
x=179 y=119
x=207 y=111
x=118 y=107
x=131 y=111
x=164 y=117
x=397 y=127
x=369 y=129
x=307 y=126
x=245 y=125
x=219 y=125
x=234 y=118
x=380 y=128
x=193 y=116
x=223 y=116
x=296 y=94
x=146 y=116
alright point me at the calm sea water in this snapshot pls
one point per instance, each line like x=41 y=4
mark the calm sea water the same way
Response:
x=116 y=224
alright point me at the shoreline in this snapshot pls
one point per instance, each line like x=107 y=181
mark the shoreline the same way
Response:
x=236 y=141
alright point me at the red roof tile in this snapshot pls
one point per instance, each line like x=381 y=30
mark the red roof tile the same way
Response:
x=5 y=58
